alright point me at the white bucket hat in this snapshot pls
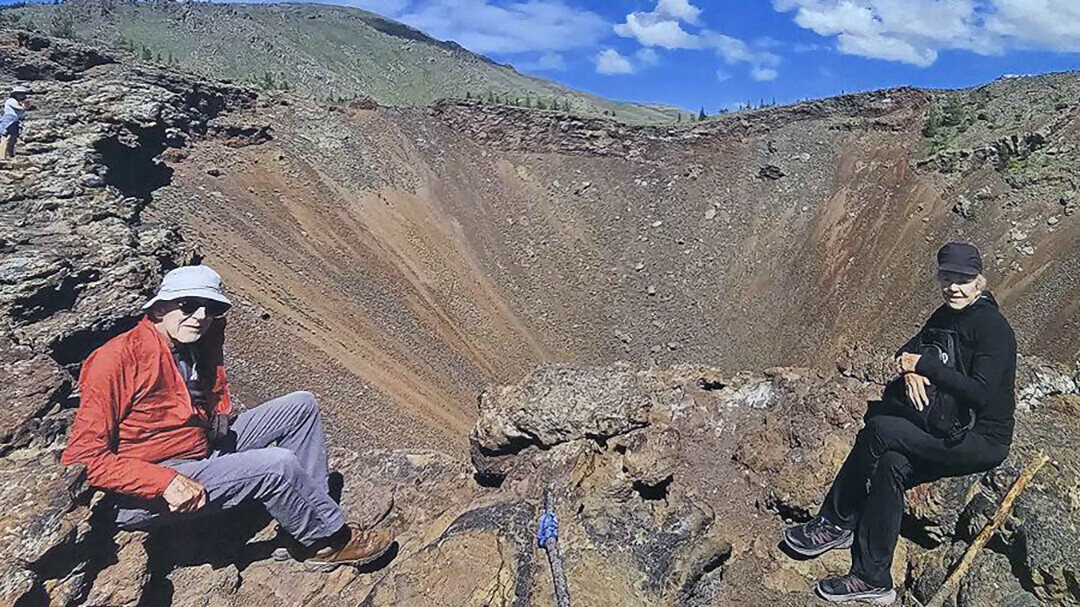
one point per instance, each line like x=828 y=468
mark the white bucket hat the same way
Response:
x=190 y=281
x=20 y=88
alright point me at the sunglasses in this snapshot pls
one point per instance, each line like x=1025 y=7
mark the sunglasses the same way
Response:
x=214 y=309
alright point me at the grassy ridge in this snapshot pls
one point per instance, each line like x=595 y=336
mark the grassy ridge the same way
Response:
x=317 y=50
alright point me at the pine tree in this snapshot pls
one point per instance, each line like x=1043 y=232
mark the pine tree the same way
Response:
x=678 y=119
x=540 y=105
x=701 y=115
x=147 y=55
x=468 y=95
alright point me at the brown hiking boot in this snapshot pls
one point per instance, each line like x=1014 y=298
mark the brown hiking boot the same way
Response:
x=362 y=547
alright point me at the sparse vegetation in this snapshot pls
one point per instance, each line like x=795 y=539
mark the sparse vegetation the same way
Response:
x=63 y=24
x=1002 y=109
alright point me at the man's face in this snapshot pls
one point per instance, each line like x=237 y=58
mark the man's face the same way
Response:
x=958 y=290
x=187 y=320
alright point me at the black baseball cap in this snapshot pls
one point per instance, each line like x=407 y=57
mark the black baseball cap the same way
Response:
x=960 y=257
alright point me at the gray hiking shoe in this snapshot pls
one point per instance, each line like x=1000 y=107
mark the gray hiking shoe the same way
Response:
x=851 y=588
x=817 y=536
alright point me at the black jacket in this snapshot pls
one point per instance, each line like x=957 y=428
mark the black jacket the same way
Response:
x=988 y=350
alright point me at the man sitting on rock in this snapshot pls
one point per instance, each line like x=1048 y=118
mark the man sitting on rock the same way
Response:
x=153 y=427
x=949 y=413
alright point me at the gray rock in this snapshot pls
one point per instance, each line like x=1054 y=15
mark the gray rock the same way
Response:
x=1038 y=379
x=964 y=207
x=991 y=584
x=559 y=403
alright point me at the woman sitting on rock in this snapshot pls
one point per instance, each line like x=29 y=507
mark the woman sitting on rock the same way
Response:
x=949 y=413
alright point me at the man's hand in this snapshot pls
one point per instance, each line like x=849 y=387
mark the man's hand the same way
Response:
x=916 y=390
x=184 y=494
x=905 y=363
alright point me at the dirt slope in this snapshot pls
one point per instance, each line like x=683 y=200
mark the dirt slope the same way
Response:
x=410 y=256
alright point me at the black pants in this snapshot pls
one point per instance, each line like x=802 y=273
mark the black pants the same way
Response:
x=892 y=454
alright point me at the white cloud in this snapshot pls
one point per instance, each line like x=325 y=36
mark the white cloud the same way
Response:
x=1046 y=24
x=663 y=27
x=654 y=29
x=548 y=62
x=767 y=42
x=679 y=9
x=722 y=75
x=647 y=57
x=763 y=74
x=610 y=62
x=915 y=31
x=507 y=28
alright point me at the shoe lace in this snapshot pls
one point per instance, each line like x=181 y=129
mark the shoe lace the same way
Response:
x=818 y=530
x=853 y=583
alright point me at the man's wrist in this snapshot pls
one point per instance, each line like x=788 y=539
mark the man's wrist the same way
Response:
x=165 y=485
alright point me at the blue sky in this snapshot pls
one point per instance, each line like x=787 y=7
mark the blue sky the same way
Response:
x=720 y=53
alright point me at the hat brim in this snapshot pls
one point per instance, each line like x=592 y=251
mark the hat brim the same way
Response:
x=958 y=269
x=200 y=292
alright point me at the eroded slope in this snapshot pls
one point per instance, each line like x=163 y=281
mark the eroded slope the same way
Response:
x=409 y=256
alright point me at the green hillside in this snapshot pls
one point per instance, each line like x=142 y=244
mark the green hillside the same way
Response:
x=316 y=50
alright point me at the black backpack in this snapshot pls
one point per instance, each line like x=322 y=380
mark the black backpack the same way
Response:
x=946 y=416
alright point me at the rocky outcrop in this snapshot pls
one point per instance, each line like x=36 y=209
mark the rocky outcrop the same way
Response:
x=514 y=128
x=677 y=497
x=76 y=262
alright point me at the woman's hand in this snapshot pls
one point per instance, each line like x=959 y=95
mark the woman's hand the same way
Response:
x=916 y=390
x=905 y=363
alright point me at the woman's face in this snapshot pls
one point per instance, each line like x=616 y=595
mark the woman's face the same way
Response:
x=958 y=290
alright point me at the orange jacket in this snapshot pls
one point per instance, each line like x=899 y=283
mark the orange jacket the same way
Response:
x=135 y=411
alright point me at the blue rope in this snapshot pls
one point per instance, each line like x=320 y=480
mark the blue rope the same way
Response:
x=549 y=528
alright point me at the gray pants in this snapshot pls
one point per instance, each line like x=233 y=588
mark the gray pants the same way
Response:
x=289 y=478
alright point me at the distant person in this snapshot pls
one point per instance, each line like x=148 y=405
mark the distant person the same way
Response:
x=11 y=121
x=949 y=413
x=153 y=427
